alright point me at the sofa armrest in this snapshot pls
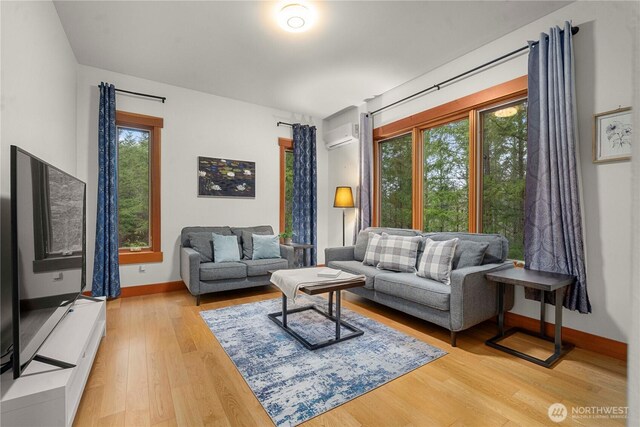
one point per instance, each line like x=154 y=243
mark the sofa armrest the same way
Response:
x=474 y=299
x=340 y=253
x=190 y=269
x=287 y=252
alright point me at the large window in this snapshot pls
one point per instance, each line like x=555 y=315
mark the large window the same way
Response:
x=395 y=182
x=138 y=187
x=504 y=156
x=457 y=167
x=286 y=184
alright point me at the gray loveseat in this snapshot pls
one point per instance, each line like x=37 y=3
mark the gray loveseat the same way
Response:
x=202 y=274
x=469 y=300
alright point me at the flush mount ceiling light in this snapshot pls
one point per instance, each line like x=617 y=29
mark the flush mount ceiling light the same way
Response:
x=295 y=17
x=506 y=112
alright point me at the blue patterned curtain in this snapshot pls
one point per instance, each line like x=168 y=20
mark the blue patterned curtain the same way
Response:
x=366 y=172
x=106 y=272
x=305 y=188
x=553 y=227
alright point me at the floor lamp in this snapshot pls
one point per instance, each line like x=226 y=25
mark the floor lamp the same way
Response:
x=344 y=200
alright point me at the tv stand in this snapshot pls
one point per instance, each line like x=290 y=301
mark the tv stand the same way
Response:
x=48 y=391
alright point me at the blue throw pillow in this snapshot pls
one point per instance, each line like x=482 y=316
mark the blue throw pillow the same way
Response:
x=265 y=246
x=225 y=248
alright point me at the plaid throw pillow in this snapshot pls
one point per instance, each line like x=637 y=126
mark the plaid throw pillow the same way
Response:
x=399 y=253
x=374 y=249
x=437 y=259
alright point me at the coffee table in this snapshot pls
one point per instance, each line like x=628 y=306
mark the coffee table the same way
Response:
x=315 y=289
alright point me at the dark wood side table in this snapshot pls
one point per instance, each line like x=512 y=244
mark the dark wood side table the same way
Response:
x=302 y=248
x=545 y=282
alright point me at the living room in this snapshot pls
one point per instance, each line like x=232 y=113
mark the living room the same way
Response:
x=218 y=82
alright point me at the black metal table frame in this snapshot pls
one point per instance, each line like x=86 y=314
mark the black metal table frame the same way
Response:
x=560 y=349
x=339 y=337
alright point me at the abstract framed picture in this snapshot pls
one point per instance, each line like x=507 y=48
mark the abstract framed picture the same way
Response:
x=226 y=178
x=612 y=136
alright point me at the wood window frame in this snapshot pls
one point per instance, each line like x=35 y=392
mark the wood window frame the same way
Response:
x=465 y=107
x=285 y=145
x=154 y=125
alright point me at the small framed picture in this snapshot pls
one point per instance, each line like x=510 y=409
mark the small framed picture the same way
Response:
x=612 y=136
x=226 y=178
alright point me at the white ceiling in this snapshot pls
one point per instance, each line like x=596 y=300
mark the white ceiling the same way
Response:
x=235 y=49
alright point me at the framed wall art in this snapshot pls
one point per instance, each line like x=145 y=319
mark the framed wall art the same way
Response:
x=612 y=136
x=226 y=178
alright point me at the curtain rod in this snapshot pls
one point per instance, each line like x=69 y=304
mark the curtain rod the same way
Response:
x=146 y=95
x=284 y=124
x=574 y=30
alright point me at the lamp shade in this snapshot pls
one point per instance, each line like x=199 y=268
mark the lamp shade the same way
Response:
x=343 y=198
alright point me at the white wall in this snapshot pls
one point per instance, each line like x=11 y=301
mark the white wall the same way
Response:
x=38 y=97
x=195 y=124
x=604 y=55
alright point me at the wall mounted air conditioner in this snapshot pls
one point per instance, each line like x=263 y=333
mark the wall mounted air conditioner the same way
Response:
x=342 y=135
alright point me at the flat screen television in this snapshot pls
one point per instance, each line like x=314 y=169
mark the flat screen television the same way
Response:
x=48 y=217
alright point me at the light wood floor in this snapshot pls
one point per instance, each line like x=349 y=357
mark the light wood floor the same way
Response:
x=160 y=365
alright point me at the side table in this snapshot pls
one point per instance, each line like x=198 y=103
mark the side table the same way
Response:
x=302 y=248
x=545 y=282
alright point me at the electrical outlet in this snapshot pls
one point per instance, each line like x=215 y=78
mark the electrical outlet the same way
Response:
x=142 y=268
x=58 y=276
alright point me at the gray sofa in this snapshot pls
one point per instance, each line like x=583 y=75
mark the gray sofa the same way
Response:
x=202 y=276
x=469 y=300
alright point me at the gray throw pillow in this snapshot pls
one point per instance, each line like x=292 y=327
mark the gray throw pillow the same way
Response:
x=399 y=253
x=202 y=243
x=247 y=242
x=469 y=254
x=266 y=246
x=374 y=249
x=437 y=259
x=225 y=248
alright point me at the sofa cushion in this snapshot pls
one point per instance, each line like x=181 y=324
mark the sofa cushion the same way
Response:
x=363 y=238
x=202 y=243
x=222 y=270
x=260 y=267
x=410 y=287
x=469 y=254
x=496 y=251
x=399 y=253
x=356 y=267
x=244 y=238
x=184 y=235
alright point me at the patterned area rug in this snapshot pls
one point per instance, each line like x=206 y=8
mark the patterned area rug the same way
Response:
x=294 y=384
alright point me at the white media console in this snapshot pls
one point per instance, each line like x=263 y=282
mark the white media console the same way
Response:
x=49 y=396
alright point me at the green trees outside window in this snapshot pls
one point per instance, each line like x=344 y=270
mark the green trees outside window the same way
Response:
x=395 y=182
x=288 y=191
x=446 y=177
x=504 y=160
x=133 y=187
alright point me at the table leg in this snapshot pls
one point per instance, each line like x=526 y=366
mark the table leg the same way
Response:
x=501 y=309
x=543 y=295
x=284 y=310
x=558 y=331
x=331 y=303
x=338 y=310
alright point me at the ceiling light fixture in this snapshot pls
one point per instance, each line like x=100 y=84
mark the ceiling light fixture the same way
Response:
x=295 y=17
x=506 y=112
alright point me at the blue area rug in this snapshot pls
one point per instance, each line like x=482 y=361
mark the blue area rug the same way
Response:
x=294 y=384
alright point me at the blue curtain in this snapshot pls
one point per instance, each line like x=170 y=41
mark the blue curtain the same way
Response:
x=366 y=172
x=106 y=273
x=305 y=189
x=553 y=227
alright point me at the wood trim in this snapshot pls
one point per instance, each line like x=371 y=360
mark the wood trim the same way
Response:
x=133 y=119
x=153 y=288
x=375 y=211
x=154 y=126
x=585 y=340
x=417 y=199
x=285 y=145
x=473 y=172
x=494 y=94
x=129 y=257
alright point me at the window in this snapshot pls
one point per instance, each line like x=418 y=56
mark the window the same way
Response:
x=286 y=184
x=504 y=156
x=456 y=167
x=138 y=187
x=395 y=182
